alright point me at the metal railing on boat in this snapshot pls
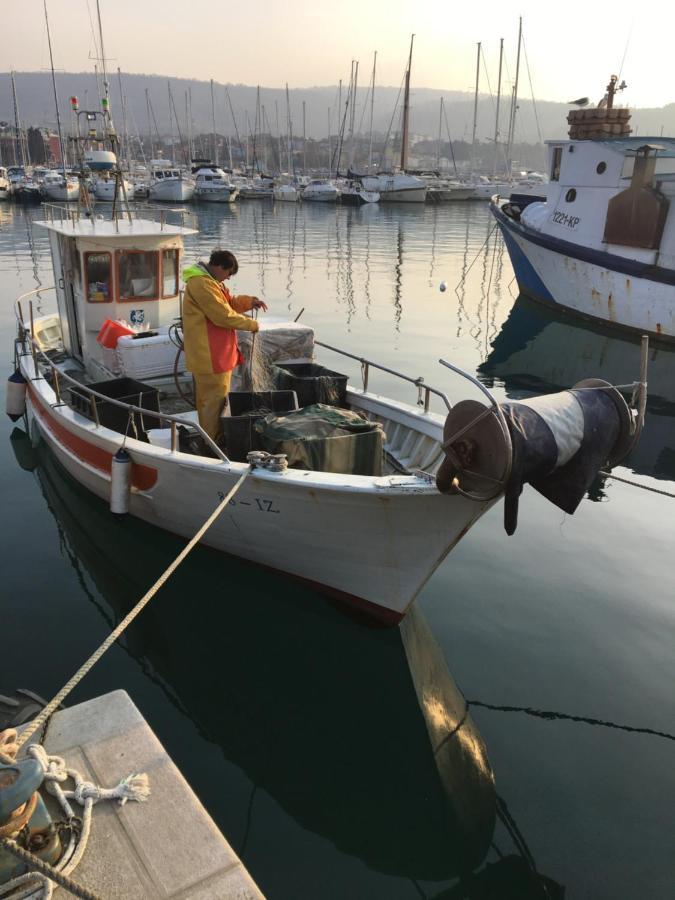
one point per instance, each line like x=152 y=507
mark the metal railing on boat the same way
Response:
x=366 y=364
x=55 y=212
x=27 y=335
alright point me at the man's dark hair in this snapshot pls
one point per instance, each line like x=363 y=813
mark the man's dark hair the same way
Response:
x=225 y=260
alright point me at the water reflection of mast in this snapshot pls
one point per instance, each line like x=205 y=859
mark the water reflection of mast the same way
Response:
x=349 y=269
x=398 y=278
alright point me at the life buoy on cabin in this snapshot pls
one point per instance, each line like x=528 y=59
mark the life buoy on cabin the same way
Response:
x=120 y=482
x=15 y=402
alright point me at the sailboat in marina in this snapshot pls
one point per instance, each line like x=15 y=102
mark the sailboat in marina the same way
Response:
x=398 y=186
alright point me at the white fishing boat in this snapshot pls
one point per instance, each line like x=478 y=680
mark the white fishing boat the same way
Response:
x=169 y=184
x=104 y=189
x=320 y=190
x=4 y=184
x=287 y=193
x=602 y=245
x=213 y=185
x=372 y=539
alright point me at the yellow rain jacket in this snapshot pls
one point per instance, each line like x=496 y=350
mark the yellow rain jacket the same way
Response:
x=211 y=316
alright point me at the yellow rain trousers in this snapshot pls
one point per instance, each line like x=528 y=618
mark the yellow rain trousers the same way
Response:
x=211 y=318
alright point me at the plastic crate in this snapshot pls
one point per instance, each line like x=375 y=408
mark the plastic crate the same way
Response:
x=246 y=407
x=312 y=383
x=127 y=390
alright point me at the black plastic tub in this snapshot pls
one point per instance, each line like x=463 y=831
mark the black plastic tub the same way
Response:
x=312 y=383
x=126 y=390
x=246 y=408
x=271 y=401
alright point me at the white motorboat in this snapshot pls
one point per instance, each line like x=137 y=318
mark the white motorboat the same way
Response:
x=60 y=188
x=320 y=190
x=353 y=193
x=4 y=184
x=372 y=540
x=602 y=244
x=257 y=188
x=213 y=185
x=445 y=190
x=104 y=189
x=397 y=187
x=170 y=185
x=287 y=193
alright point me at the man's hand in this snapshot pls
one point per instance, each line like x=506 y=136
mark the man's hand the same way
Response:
x=259 y=304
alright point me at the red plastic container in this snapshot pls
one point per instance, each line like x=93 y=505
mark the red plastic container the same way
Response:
x=111 y=332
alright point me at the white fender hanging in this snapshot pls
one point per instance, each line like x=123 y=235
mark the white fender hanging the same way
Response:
x=15 y=403
x=120 y=482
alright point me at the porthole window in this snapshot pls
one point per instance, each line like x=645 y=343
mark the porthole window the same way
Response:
x=601 y=167
x=571 y=195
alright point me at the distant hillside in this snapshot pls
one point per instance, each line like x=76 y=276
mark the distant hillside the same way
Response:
x=36 y=108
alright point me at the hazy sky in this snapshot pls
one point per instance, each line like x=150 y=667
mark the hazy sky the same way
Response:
x=572 y=46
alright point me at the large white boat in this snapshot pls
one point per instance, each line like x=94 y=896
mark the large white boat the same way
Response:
x=213 y=185
x=602 y=245
x=372 y=540
x=104 y=190
x=59 y=187
x=287 y=193
x=397 y=187
x=320 y=190
x=169 y=184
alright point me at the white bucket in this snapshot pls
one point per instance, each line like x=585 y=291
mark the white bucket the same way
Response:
x=160 y=437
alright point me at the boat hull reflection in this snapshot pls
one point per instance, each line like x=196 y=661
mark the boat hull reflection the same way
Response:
x=320 y=712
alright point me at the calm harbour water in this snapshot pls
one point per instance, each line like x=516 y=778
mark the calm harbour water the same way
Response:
x=298 y=727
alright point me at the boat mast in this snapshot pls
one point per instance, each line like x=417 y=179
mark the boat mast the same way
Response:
x=475 y=112
x=372 y=108
x=329 y=157
x=289 y=138
x=438 y=151
x=352 y=148
x=147 y=109
x=514 y=104
x=188 y=116
x=56 y=98
x=19 y=156
x=213 y=125
x=125 y=130
x=105 y=100
x=304 y=140
x=406 y=110
x=499 y=97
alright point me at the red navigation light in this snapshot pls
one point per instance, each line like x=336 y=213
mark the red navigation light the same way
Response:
x=74 y=103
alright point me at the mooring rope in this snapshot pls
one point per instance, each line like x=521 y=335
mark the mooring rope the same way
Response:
x=637 y=484
x=42 y=873
x=128 y=619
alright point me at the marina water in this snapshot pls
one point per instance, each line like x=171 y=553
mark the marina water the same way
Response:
x=299 y=727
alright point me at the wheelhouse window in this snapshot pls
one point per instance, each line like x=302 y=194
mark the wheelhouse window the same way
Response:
x=137 y=272
x=555 y=163
x=169 y=273
x=98 y=271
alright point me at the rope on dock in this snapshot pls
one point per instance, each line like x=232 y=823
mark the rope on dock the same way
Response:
x=128 y=619
x=42 y=873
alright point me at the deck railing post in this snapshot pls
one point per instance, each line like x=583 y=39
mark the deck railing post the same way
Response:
x=94 y=410
x=174 y=437
x=365 y=372
x=32 y=340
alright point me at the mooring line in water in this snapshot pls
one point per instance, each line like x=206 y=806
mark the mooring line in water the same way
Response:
x=128 y=619
x=644 y=487
x=547 y=714
x=483 y=245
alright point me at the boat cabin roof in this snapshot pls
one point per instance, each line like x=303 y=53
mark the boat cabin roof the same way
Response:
x=626 y=146
x=121 y=229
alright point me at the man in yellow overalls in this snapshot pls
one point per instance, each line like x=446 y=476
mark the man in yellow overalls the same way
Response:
x=211 y=316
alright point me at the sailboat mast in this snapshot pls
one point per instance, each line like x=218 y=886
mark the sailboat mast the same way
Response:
x=372 y=109
x=188 y=116
x=406 y=110
x=125 y=131
x=289 y=138
x=213 y=125
x=19 y=158
x=352 y=148
x=475 y=111
x=438 y=150
x=514 y=106
x=56 y=98
x=499 y=97
x=329 y=148
x=304 y=140
x=106 y=86
x=147 y=111
x=168 y=85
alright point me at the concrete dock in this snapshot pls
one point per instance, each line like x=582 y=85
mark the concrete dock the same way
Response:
x=166 y=847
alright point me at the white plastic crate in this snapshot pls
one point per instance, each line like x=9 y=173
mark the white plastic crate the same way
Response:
x=147 y=357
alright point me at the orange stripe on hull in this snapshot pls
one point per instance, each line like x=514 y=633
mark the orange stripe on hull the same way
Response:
x=142 y=477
